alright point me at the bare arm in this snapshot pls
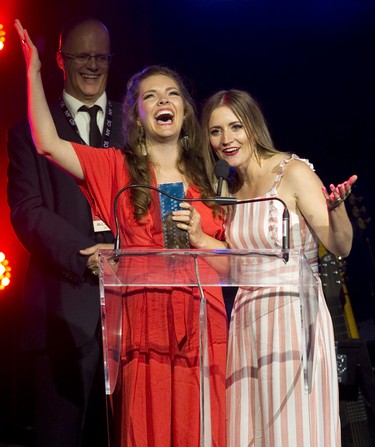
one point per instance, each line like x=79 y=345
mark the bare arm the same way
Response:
x=325 y=213
x=46 y=139
x=341 y=230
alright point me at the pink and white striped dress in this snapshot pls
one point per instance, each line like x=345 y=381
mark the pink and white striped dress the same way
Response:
x=267 y=405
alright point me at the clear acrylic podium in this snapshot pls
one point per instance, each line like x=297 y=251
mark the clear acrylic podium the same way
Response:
x=202 y=269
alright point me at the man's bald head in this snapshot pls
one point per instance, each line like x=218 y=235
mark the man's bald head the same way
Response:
x=81 y=27
x=84 y=55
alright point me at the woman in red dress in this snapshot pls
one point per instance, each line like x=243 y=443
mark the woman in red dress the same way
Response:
x=157 y=397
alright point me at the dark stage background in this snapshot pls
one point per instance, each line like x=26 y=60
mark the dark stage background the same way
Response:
x=310 y=65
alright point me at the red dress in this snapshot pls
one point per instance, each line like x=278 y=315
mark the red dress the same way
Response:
x=158 y=390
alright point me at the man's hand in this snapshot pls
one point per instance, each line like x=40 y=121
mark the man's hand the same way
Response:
x=93 y=256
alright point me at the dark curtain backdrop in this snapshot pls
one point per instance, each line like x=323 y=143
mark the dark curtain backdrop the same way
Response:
x=310 y=65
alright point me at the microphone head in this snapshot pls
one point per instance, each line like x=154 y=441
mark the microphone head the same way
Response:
x=222 y=169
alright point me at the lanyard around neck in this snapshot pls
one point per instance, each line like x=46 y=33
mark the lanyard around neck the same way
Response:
x=107 y=122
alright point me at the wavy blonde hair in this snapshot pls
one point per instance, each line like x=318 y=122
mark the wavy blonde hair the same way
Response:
x=248 y=112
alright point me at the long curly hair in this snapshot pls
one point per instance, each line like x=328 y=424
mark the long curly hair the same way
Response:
x=190 y=163
x=248 y=112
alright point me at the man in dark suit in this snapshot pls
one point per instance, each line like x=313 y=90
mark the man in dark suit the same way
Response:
x=61 y=327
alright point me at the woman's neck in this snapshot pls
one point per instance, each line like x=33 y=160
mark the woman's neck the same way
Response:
x=163 y=158
x=258 y=178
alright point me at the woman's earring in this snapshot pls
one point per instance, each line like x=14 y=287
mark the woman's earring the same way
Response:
x=142 y=140
x=185 y=142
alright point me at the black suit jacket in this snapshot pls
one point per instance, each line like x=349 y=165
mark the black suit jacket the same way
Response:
x=52 y=219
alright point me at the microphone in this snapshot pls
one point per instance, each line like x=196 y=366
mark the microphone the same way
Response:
x=220 y=200
x=222 y=169
x=224 y=201
x=125 y=188
x=286 y=232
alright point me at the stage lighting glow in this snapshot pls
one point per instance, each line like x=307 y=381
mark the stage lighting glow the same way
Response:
x=2 y=36
x=4 y=271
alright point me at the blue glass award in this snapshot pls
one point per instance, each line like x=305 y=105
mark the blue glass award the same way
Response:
x=174 y=237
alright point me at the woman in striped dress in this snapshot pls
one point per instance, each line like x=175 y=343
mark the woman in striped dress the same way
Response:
x=267 y=404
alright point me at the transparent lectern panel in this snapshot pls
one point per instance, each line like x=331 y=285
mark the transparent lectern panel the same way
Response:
x=168 y=267
x=196 y=268
x=111 y=317
x=308 y=291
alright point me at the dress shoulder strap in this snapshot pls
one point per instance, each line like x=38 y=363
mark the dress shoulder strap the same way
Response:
x=282 y=166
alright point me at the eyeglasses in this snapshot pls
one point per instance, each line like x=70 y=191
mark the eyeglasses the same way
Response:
x=84 y=58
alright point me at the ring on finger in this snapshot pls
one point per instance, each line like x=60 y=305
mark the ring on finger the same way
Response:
x=335 y=204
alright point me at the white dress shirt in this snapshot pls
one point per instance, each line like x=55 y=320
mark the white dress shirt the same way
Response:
x=82 y=119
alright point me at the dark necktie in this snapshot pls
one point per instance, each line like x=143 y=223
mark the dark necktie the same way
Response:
x=94 y=135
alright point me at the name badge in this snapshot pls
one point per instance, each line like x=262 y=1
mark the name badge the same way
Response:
x=99 y=225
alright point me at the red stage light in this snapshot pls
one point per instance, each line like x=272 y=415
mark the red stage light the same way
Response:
x=2 y=36
x=4 y=271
